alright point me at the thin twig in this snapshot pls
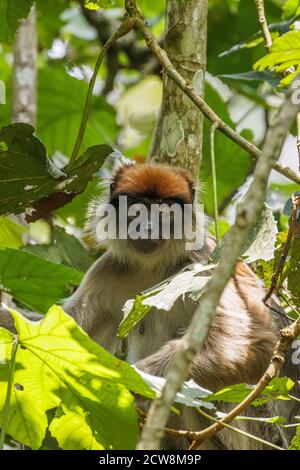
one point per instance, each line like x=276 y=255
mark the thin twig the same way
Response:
x=288 y=303
x=180 y=433
x=10 y=381
x=288 y=335
x=237 y=430
x=214 y=180
x=188 y=89
x=123 y=29
x=263 y=24
x=290 y=237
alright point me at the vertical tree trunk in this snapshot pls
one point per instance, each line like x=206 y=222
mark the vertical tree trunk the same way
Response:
x=179 y=133
x=24 y=77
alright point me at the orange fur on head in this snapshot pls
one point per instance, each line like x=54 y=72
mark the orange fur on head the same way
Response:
x=154 y=181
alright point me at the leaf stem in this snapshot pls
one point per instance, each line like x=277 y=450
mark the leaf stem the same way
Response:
x=123 y=29
x=214 y=180
x=294 y=398
x=8 y=391
x=240 y=431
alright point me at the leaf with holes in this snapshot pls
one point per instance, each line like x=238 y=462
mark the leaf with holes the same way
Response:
x=30 y=181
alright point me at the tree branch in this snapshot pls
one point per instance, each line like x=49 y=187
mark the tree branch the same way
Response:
x=25 y=71
x=123 y=29
x=263 y=23
x=179 y=131
x=188 y=89
x=247 y=212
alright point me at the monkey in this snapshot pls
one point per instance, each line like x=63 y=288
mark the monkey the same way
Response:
x=244 y=332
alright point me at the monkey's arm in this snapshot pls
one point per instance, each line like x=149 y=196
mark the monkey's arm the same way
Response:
x=239 y=344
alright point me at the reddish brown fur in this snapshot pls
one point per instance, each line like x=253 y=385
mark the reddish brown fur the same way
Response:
x=252 y=293
x=154 y=181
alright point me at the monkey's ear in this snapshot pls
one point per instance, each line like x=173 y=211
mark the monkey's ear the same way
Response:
x=190 y=181
x=117 y=177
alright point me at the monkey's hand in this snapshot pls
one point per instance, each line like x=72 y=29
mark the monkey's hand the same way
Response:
x=158 y=362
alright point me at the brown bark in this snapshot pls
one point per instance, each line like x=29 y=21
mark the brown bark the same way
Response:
x=24 y=77
x=179 y=133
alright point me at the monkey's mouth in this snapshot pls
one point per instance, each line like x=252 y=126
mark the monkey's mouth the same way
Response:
x=147 y=246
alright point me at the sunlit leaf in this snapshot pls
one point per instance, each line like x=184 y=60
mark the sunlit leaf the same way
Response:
x=57 y=364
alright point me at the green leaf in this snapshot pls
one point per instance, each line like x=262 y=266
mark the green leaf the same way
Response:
x=64 y=249
x=34 y=281
x=60 y=106
x=260 y=243
x=295 y=444
x=233 y=394
x=278 y=389
x=57 y=364
x=11 y=12
x=293 y=268
x=96 y=4
x=26 y=173
x=285 y=53
x=29 y=179
x=253 y=76
x=164 y=295
x=290 y=8
x=10 y=234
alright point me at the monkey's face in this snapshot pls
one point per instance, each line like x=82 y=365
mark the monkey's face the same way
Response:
x=150 y=205
x=147 y=224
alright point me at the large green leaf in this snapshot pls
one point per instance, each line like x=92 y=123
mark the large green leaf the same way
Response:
x=63 y=249
x=60 y=105
x=285 y=53
x=11 y=11
x=229 y=156
x=190 y=281
x=57 y=364
x=261 y=239
x=278 y=389
x=29 y=179
x=34 y=281
x=26 y=172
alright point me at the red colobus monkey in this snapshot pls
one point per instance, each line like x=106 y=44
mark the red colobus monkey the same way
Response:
x=244 y=332
x=240 y=342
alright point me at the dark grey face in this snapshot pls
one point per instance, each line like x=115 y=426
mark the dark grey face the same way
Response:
x=150 y=222
x=146 y=246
